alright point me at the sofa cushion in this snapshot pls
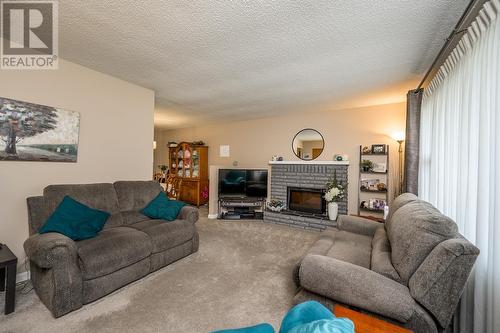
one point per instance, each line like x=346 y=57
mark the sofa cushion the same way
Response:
x=416 y=228
x=133 y=216
x=350 y=247
x=75 y=220
x=135 y=195
x=381 y=255
x=165 y=235
x=96 y=196
x=111 y=250
x=397 y=203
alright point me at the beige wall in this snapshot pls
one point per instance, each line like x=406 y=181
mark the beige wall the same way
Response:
x=254 y=142
x=116 y=133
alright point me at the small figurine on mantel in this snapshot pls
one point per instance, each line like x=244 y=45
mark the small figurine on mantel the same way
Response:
x=340 y=158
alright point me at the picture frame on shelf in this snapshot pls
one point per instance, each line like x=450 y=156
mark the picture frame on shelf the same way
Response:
x=377 y=204
x=369 y=184
x=379 y=149
x=379 y=167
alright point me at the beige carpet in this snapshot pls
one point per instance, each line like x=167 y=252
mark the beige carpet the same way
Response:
x=242 y=275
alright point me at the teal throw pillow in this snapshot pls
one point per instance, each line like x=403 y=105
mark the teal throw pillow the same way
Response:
x=75 y=220
x=163 y=208
x=261 y=328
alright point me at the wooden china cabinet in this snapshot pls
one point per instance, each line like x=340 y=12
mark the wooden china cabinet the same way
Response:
x=189 y=163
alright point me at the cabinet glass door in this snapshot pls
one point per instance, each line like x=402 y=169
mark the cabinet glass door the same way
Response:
x=187 y=161
x=180 y=162
x=195 y=157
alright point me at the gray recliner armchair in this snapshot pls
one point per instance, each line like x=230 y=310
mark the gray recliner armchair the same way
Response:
x=410 y=271
x=67 y=274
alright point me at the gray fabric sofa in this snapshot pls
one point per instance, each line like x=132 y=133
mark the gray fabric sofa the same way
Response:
x=410 y=270
x=67 y=274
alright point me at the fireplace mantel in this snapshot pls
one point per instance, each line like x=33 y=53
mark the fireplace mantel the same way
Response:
x=310 y=162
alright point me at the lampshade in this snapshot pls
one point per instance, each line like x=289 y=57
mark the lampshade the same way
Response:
x=398 y=136
x=154 y=144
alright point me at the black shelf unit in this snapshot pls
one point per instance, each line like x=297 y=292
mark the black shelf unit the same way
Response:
x=364 y=194
x=236 y=208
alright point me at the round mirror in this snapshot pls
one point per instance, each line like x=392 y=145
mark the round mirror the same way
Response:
x=308 y=144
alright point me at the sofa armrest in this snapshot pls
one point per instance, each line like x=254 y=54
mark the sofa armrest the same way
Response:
x=189 y=213
x=357 y=225
x=55 y=273
x=47 y=250
x=356 y=286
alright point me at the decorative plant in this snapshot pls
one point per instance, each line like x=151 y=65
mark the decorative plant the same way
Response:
x=162 y=167
x=367 y=165
x=334 y=189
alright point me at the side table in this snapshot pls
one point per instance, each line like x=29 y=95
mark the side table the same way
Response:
x=8 y=269
x=364 y=323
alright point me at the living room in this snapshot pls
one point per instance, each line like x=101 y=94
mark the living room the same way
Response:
x=249 y=167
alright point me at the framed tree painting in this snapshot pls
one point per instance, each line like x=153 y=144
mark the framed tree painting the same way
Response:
x=33 y=132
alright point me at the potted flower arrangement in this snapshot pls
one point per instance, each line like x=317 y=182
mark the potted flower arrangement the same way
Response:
x=334 y=192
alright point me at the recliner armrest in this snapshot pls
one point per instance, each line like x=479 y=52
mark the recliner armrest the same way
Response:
x=47 y=250
x=189 y=213
x=358 y=225
x=357 y=286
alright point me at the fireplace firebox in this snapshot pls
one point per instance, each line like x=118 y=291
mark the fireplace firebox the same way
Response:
x=306 y=200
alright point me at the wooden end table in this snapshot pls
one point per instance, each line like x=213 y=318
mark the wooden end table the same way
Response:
x=364 y=323
x=8 y=268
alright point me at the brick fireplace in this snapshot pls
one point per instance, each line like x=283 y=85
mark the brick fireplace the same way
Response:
x=306 y=178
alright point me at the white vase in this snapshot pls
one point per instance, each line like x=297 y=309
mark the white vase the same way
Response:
x=333 y=210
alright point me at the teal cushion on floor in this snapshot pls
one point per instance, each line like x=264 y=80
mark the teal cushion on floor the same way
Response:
x=163 y=208
x=313 y=317
x=304 y=313
x=336 y=325
x=261 y=328
x=75 y=220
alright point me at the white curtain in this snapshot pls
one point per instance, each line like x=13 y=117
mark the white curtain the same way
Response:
x=460 y=159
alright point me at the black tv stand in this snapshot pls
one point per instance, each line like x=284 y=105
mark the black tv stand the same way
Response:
x=241 y=208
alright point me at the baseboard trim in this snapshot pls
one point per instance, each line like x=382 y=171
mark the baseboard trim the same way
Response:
x=24 y=276
x=212 y=216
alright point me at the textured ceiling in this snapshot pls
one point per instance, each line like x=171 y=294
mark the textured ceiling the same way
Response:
x=218 y=60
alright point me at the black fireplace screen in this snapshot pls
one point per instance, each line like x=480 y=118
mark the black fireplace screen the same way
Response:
x=307 y=200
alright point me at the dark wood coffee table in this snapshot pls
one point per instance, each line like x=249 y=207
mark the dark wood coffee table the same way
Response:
x=8 y=268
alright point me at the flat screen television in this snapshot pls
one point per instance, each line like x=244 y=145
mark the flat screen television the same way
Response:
x=240 y=183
